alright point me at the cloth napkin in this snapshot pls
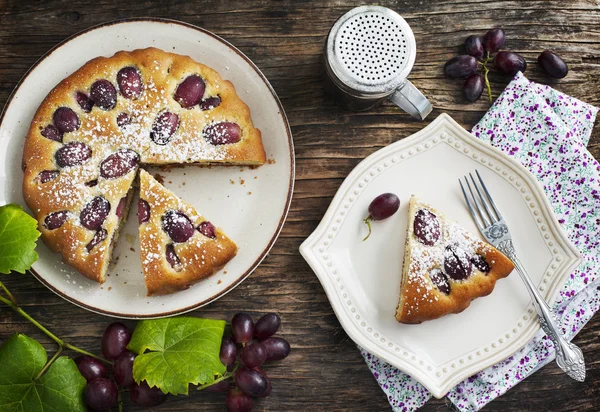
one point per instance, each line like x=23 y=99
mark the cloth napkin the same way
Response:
x=547 y=132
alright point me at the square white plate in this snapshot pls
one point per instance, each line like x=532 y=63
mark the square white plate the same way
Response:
x=362 y=279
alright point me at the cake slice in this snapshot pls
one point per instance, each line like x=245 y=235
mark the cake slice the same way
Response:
x=178 y=246
x=445 y=266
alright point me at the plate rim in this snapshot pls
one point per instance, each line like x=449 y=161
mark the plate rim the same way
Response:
x=290 y=142
x=312 y=255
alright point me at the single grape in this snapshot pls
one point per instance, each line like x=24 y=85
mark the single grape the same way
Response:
x=56 y=219
x=474 y=46
x=238 y=401
x=510 y=63
x=144 y=395
x=104 y=94
x=119 y=164
x=101 y=394
x=123 y=368
x=250 y=381
x=269 y=387
x=164 y=128
x=177 y=225
x=114 y=340
x=207 y=229
x=382 y=207
x=493 y=40
x=457 y=263
x=222 y=386
x=90 y=368
x=460 y=66
x=143 y=211
x=84 y=101
x=190 y=91
x=65 y=120
x=473 y=87
x=552 y=64
x=440 y=280
x=222 y=133
x=172 y=257
x=253 y=354
x=121 y=207
x=228 y=352
x=267 y=326
x=52 y=133
x=130 y=82
x=93 y=214
x=242 y=327
x=99 y=236
x=47 y=175
x=210 y=103
x=276 y=348
x=123 y=119
x=73 y=154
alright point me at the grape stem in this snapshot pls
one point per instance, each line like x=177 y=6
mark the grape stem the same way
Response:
x=49 y=363
x=485 y=76
x=368 y=223
x=225 y=376
x=12 y=302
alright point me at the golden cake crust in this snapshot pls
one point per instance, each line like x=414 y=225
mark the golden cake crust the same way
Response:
x=420 y=299
x=161 y=73
x=200 y=256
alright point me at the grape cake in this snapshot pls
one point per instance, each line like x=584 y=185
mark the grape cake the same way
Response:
x=445 y=266
x=178 y=246
x=96 y=127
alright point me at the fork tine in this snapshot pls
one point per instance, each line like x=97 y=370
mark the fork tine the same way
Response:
x=484 y=218
x=489 y=196
x=476 y=217
x=484 y=202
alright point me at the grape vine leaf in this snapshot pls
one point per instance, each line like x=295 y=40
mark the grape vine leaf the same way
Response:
x=176 y=352
x=18 y=233
x=59 y=389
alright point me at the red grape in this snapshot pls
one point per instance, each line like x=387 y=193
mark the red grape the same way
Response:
x=144 y=395
x=90 y=368
x=457 y=264
x=222 y=133
x=48 y=175
x=242 y=327
x=228 y=352
x=177 y=225
x=56 y=219
x=460 y=66
x=253 y=354
x=65 y=120
x=250 y=381
x=238 y=401
x=210 y=103
x=121 y=207
x=474 y=46
x=143 y=211
x=473 y=87
x=118 y=164
x=123 y=368
x=190 y=91
x=384 y=206
x=164 y=128
x=93 y=214
x=493 y=40
x=104 y=94
x=130 y=82
x=114 y=340
x=99 y=236
x=269 y=387
x=52 y=133
x=222 y=386
x=101 y=394
x=276 y=348
x=84 y=101
x=510 y=63
x=123 y=119
x=440 y=280
x=73 y=154
x=552 y=64
x=207 y=229
x=172 y=257
x=267 y=326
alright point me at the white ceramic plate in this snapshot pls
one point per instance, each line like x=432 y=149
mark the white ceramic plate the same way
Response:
x=250 y=205
x=362 y=280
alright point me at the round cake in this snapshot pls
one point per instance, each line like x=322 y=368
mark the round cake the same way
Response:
x=92 y=132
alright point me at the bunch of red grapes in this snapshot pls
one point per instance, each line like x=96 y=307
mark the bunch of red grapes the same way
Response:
x=249 y=347
x=473 y=66
x=101 y=392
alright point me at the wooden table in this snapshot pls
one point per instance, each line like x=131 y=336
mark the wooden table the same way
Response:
x=285 y=39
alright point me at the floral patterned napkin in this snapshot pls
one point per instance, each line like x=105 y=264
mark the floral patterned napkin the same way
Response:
x=547 y=132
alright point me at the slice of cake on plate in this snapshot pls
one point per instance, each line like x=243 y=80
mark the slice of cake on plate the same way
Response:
x=178 y=246
x=445 y=266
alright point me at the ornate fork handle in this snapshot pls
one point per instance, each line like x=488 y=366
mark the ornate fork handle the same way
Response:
x=568 y=356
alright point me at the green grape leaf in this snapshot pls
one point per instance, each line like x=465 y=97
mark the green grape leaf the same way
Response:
x=18 y=233
x=59 y=389
x=176 y=352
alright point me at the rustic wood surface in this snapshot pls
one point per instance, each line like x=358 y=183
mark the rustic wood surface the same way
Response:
x=285 y=39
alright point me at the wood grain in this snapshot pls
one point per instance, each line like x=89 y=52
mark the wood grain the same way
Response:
x=285 y=39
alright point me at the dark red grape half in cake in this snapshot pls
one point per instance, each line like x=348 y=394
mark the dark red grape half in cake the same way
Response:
x=92 y=183
x=190 y=91
x=48 y=175
x=222 y=133
x=65 y=120
x=480 y=263
x=164 y=127
x=123 y=119
x=104 y=94
x=121 y=207
x=119 y=164
x=130 y=82
x=207 y=229
x=94 y=213
x=98 y=237
x=382 y=207
x=56 y=219
x=440 y=280
x=84 y=101
x=210 y=103
x=172 y=257
x=426 y=227
x=73 y=154
x=143 y=211
x=52 y=133
x=457 y=263
x=177 y=225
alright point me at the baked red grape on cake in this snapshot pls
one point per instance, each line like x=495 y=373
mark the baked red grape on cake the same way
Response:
x=178 y=246
x=445 y=266
x=95 y=127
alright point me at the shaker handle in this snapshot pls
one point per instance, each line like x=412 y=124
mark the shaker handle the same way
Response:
x=411 y=100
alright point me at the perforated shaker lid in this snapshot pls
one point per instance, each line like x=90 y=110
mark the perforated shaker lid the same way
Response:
x=371 y=50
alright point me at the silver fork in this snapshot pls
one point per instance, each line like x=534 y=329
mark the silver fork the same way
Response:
x=494 y=229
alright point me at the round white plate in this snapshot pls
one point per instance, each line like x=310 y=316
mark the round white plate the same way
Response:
x=249 y=204
x=362 y=279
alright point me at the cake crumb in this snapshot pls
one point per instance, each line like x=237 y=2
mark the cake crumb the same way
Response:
x=225 y=272
x=231 y=181
x=132 y=249
x=219 y=282
x=255 y=177
x=271 y=161
x=249 y=193
x=109 y=288
x=160 y=178
x=242 y=181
